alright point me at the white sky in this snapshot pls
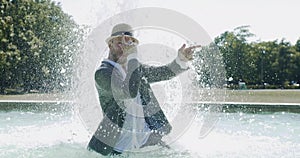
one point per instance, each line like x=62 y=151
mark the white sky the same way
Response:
x=269 y=19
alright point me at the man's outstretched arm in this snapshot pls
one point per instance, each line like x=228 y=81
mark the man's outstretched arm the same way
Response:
x=166 y=72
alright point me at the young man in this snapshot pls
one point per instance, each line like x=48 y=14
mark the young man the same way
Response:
x=132 y=117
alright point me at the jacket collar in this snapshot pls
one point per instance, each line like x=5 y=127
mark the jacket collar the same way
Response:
x=115 y=65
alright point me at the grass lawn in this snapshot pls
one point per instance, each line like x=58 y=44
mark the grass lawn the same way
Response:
x=34 y=96
x=265 y=96
x=268 y=96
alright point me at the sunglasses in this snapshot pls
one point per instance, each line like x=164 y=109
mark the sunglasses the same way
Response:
x=125 y=39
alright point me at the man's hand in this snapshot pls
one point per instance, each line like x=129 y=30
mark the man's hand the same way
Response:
x=186 y=54
x=128 y=46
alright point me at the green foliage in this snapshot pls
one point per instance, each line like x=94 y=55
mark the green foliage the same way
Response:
x=235 y=51
x=297 y=46
x=39 y=43
x=257 y=63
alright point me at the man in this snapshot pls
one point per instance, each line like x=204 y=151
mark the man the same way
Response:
x=132 y=117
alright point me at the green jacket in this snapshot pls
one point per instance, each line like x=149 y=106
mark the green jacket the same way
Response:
x=112 y=90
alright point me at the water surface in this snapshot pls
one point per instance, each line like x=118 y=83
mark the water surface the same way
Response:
x=59 y=133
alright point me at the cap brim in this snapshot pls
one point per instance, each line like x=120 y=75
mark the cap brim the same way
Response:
x=112 y=37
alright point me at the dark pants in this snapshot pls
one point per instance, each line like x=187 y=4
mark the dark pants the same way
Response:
x=98 y=146
x=155 y=139
x=114 y=152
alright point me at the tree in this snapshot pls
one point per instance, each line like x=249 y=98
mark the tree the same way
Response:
x=256 y=63
x=234 y=48
x=267 y=53
x=39 y=43
x=298 y=45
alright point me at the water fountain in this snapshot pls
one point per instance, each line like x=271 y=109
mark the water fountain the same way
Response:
x=201 y=127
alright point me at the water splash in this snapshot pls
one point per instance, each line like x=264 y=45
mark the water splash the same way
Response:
x=157 y=41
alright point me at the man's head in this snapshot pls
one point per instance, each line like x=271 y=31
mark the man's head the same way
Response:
x=120 y=37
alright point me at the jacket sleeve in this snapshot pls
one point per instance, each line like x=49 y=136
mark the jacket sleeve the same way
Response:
x=161 y=73
x=112 y=82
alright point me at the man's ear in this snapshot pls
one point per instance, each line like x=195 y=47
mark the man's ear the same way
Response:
x=110 y=45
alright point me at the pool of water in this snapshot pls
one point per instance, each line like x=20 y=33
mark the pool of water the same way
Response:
x=57 y=132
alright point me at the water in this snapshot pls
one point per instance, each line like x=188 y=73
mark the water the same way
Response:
x=59 y=133
x=54 y=132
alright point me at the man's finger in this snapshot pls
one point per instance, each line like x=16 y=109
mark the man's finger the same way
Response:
x=193 y=47
x=189 y=49
x=123 y=39
x=190 y=52
x=182 y=47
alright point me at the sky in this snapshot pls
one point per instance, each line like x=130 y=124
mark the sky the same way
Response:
x=268 y=19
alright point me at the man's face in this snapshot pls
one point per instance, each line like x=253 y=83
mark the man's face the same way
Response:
x=115 y=46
